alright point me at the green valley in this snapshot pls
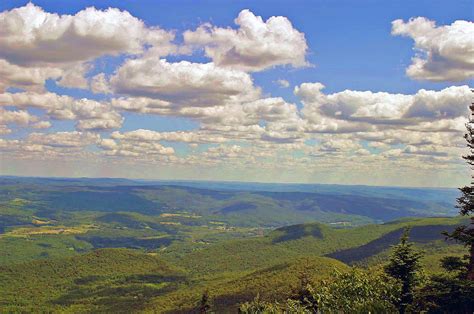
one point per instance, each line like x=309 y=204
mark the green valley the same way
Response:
x=168 y=247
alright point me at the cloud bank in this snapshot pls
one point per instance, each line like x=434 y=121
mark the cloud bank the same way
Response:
x=237 y=124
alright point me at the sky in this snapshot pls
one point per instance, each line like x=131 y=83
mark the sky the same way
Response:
x=344 y=92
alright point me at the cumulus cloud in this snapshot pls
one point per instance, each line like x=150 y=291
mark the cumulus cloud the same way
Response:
x=267 y=119
x=283 y=83
x=429 y=120
x=143 y=105
x=444 y=53
x=21 y=117
x=63 y=139
x=384 y=108
x=74 y=76
x=142 y=135
x=44 y=146
x=90 y=114
x=4 y=130
x=183 y=83
x=38 y=45
x=350 y=129
x=136 y=145
x=30 y=35
x=42 y=125
x=94 y=115
x=269 y=111
x=254 y=46
x=29 y=78
x=99 y=84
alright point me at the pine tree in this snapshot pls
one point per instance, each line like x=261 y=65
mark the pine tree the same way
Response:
x=303 y=294
x=204 y=304
x=405 y=266
x=465 y=234
x=449 y=291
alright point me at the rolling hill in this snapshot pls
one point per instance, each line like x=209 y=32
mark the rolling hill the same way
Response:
x=115 y=245
x=233 y=271
x=272 y=206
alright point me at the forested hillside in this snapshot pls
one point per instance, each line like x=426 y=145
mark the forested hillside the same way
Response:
x=104 y=245
x=233 y=271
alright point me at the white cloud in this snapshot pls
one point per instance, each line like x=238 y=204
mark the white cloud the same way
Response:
x=42 y=125
x=142 y=135
x=21 y=117
x=143 y=105
x=449 y=103
x=445 y=53
x=74 y=76
x=135 y=145
x=29 y=78
x=384 y=108
x=4 y=130
x=252 y=130
x=49 y=146
x=37 y=45
x=283 y=83
x=94 y=115
x=429 y=120
x=99 y=84
x=256 y=45
x=183 y=84
x=30 y=35
x=90 y=114
x=63 y=139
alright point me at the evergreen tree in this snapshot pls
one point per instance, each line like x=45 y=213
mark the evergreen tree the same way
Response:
x=405 y=266
x=465 y=234
x=448 y=292
x=204 y=304
x=303 y=294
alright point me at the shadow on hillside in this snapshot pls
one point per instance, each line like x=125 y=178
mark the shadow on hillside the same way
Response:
x=118 y=295
x=418 y=234
x=296 y=232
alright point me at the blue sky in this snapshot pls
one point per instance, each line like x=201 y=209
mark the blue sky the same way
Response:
x=351 y=46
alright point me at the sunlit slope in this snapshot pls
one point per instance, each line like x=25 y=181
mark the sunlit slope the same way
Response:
x=233 y=271
x=284 y=244
x=110 y=280
x=229 y=290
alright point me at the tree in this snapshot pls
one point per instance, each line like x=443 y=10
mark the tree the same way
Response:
x=354 y=291
x=204 y=304
x=448 y=292
x=258 y=306
x=405 y=266
x=465 y=234
x=303 y=294
x=357 y=291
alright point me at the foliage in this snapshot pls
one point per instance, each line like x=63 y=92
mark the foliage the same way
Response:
x=204 y=304
x=49 y=260
x=303 y=293
x=405 y=266
x=355 y=291
x=258 y=306
x=446 y=294
x=453 y=291
x=465 y=233
x=449 y=292
x=455 y=264
x=109 y=279
x=228 y=290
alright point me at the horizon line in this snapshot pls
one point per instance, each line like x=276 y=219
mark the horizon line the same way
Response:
x=230 y=181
